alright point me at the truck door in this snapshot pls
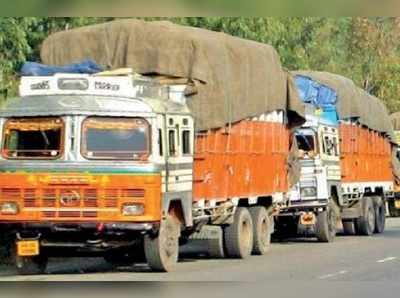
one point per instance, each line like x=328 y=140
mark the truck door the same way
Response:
x=180 y=153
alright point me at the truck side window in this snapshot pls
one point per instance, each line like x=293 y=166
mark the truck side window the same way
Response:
x=160 y=142
x=186 y=142
x=171 y=141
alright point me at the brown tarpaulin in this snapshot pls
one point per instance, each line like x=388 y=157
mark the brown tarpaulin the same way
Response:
x=355 y=103
x=235 y=78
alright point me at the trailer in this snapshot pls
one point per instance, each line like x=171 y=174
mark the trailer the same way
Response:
x=346 y=166
x=130 y=166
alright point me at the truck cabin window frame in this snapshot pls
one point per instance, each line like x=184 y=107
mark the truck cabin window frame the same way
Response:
x=115 y=138
x=307 y=145
x=31 y=138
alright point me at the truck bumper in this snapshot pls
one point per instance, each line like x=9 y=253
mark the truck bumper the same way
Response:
x=79 y=239
x=295 y=208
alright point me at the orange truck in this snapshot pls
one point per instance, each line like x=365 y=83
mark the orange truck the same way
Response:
x=128 y=167
x=346 y=160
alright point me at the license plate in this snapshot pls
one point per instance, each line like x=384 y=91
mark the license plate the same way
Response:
x=397 y=204
x=27 y=248
x=307 y=219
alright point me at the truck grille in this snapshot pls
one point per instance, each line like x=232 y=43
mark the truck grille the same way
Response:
x=82 y=202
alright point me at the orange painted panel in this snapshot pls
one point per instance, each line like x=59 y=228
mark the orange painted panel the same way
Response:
x=365 y=155
x=99 y=198
x=250 y=160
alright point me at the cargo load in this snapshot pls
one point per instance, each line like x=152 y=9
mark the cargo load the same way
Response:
x=233 y=79
x=354 y=104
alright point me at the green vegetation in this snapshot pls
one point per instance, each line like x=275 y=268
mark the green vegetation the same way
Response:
x=364 y=49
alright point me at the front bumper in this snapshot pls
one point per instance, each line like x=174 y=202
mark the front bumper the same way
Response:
x=299 y=207
x=66 y=239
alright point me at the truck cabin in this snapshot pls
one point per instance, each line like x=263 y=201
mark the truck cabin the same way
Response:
x=106 y=146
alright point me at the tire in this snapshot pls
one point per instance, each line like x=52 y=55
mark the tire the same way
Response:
x=380 y=215
x=31 y=265
x=393 y=212
x=162 y=251
x=365 y=225
x=261 y=230
x=215 y=248
x=325 y=229
x=349 y=227
x=238 y=236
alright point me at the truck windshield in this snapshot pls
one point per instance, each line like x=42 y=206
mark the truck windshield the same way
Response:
x=306 y=145
x=33 y=138
x=115 y=138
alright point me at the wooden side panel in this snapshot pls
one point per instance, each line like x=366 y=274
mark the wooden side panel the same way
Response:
x=365 y=155
x=251 y=160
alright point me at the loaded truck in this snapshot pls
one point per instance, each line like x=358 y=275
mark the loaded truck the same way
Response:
x=346 y=160
x=128 y=166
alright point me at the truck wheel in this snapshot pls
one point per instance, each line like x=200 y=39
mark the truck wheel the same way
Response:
x=238 y=236
x=380 y=215
x=31 y=265
x=261 y=230
x=365 y=224
x=393 y=212
x=325 y=229
x=349 y=227
x=162 y=250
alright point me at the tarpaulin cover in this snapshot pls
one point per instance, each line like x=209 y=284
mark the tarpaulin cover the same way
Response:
x=37 y=69
x=353 y=103
x=234 y=78
x=315 y=93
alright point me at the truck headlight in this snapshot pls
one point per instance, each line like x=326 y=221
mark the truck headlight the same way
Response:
x=132 y=209
x=310 y=191
x=9 y=208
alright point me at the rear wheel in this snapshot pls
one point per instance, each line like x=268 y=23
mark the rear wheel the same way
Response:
x=349 y=227
x=326 y=224
x=380 y=215
x=238 y=236
x=365 y=225
x=261 y=230
x=162 y=251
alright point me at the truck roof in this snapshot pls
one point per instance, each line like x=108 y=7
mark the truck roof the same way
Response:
x=82 y=94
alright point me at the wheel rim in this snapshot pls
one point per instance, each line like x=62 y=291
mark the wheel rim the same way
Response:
x=264 y=232
x=371 y=219
x=245 y=231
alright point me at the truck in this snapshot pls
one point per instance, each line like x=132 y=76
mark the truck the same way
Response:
x=127 y=166
x=346 y=166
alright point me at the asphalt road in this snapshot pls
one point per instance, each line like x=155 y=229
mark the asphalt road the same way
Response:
x=349 y=259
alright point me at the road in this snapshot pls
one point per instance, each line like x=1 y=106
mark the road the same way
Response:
x=348 y=259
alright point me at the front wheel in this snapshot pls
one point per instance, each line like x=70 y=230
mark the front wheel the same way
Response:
x=325 y=229
x=393 y=211
x=349 y=227
x=162 y=250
